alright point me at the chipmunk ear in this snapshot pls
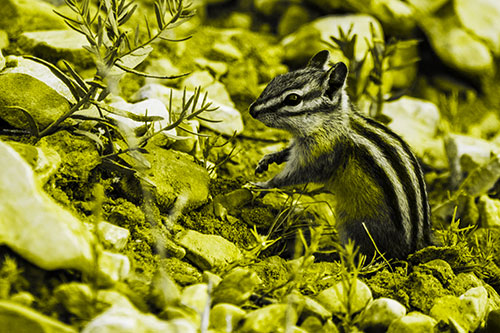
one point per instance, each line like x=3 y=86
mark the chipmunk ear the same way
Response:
x=319 y=60
x=335 y=79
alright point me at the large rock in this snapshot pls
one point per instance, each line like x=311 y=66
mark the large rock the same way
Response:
x=333 y=298
x=36 y=227
x=151 y=107
x=308 y=40
x=456 y=47
x=42 y=102
x=480 y=17
x=125 y=318
x=270 y=318
x=19 y=15
x=413 y=322
x=176 y=178
x=40 y=72
x=209 y=252
x=465 y=153
x=467 y=311
x=229 y=118
x=18 y=318
x=57 y=44
x=380 y=313
x=417 y=121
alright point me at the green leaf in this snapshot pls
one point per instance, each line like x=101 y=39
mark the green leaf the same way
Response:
x=33 y=126
x=127 y=114
x=76 y=76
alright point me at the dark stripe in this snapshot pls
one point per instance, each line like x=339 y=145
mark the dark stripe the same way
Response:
x=420 y=177
x=379 y=174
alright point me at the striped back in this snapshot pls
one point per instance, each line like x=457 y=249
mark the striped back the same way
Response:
x=396 y=170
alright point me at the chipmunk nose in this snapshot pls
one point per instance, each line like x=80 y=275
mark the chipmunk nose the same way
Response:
x=252 y=111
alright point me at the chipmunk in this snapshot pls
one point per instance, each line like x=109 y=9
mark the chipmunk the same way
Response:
x=373 y=173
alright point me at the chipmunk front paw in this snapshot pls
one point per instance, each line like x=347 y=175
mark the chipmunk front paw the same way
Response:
x=263 y=164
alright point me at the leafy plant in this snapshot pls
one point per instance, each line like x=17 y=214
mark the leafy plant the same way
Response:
x=118 y=49
x=380 y=52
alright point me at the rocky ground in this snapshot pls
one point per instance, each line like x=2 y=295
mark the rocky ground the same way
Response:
x=130 y=213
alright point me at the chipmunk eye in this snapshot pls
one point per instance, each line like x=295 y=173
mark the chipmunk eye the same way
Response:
x=292 y=99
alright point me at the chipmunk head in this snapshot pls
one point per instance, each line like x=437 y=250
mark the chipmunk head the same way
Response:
x=301 y=100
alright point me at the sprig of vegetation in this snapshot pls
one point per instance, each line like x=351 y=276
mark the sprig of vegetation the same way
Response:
x=118 y=49
x=380 y=52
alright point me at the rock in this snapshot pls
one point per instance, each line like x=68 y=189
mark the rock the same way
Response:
x=23 y=297
x=196 y=297
x=487 y=128
x=18 y=318
x=438 y=268
x=421 y=287
x=125 y=318
x=270 y=8
x=36 y=227
x=113 y=267
x=230 y=118
x=42 y=102
x=162 y=67
x=417 y=122
x=26 y=15
x=238 y=20
x=380 y=313
x=2 y=60
x=4 y=43
x=236 y=287
x=217 y=68
x=182 y=272
x=53 y=45
x=396 y=16
x=184 y=193
x=489 y=210
x=314 y=308
x=456 y=47
x=403 y=74
x=187 y=142
x=211 y=278
x=334 y=298
x=474 y=306
x=312 y=324
x=226 y=51
x=209 y=252
x=229 y=204
x=164 y=291
x=225 y=317
x=465 y=153
x=215 y=90
x=482 y=178
x=112 y=235
x=466 y=311
x=45 y=161
x=301 y=45
x=40 y=72
x=414 y=322
x=427 y=6
x=493 y=322
x=151 y=107
x=270 y=318
x=198 y=79
x=481 y=19
x=77 y=298
x=294 y=16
